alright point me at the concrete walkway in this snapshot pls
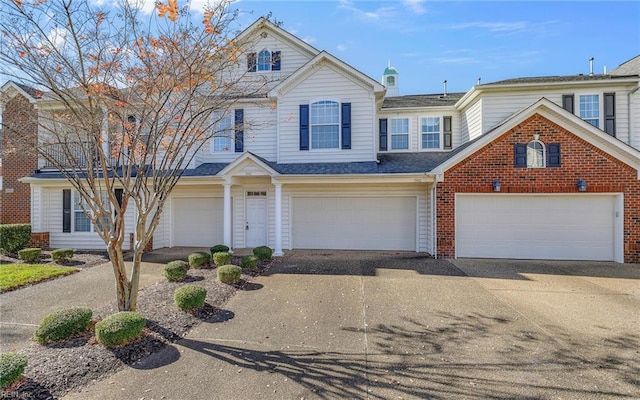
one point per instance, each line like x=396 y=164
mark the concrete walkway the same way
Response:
x=354 y=325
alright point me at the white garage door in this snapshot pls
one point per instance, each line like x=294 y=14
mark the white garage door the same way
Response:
x=197 y=222
x=558 y=227
x=355 y=223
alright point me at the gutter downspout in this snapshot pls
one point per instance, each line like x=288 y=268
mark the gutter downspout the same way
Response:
x=434 y=215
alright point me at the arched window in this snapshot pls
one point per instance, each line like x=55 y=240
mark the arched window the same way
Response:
x=536 y=154
x=264 y=61
x=391 y=81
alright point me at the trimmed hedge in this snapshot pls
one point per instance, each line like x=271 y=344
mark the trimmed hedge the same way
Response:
x=219 y=248
x=221 y=258
x=229 y=274
x=14 y=237
x=175 y=271
x=249 y=261
x=62 y=324
x=189 y=297
x=198 y=259
x=120 y=328
x=29 y=255
x=263 y=252
x=62 y=255
x=12 y=366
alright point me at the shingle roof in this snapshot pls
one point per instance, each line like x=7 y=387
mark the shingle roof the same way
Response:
x=35 y=93
x=630 y=67
x=556 y=79
x=422 y=100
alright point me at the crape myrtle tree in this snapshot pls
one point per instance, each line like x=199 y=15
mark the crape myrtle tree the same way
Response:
x=127 y=99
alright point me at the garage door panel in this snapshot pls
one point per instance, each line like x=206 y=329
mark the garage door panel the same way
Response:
x=364 y=223
x=535 y=227
x=197 y=222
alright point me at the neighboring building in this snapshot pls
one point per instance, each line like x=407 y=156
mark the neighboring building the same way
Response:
x=536 y=168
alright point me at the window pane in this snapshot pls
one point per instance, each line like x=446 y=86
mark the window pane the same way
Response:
x=400 y=125
x=82 y=222
x=590 y=109
x=264 y=61
x=325 y=120
x=535 y=155
x=223 y=141
x=324 y=137
x=430 y=133
x=399 y=142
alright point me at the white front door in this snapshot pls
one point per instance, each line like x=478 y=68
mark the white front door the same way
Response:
x=256 y=223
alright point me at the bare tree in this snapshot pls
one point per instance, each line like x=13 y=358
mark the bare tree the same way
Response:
x=127 y=101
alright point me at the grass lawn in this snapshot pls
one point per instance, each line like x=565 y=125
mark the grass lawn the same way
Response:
x=13 y=276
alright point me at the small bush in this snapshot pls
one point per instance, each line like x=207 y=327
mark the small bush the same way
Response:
x=62 y=255
x=263 y=252
x=189 y=297
x=62 y=324
x=249 y=261
x=175 y=271
x=219 y=248
x=221 y=258
x=12 y=366
x=229 y=274
x=120 y=328
x=14 y=237
x=30 y=254
x=198 y=259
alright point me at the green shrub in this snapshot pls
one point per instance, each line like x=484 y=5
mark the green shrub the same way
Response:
x=198 y=259
x=62 y=324
x=229 y=274
x=120 y=328
x=189 y=297
x=175 y=271
x=12 y=366
x=219 y=248
x=14 y=237
x=221 y=258
x=249 y=261
x=62 y=255
x=29 y=255
x=263 y=252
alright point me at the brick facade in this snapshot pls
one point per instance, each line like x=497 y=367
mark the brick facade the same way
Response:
x=580 y=160
x=19 y=132
x=40 y=239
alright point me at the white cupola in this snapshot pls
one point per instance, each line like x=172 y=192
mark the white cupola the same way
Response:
x=390 y=81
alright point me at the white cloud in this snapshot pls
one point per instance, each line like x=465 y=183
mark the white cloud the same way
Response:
x=341 y=47
x=57 y=37
x=493 y=26
x=379 y=13
x=415 y=6
x=309 y=39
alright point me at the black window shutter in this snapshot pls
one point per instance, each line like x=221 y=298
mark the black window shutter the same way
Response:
x=447 y=133
x=239 y=130
x=553 y=155
x=567 y=102
x=520 y=152
x=383 y=134
x=66 y=210
x=251 y=62
x=610 y=113
x=346 y=126
x=304 y=127
x=275 y=60
x=118 y=193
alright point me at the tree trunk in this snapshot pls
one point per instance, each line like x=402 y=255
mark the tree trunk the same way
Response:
x=125 y=293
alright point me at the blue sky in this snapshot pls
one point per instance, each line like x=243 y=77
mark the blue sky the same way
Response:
x=430 y=41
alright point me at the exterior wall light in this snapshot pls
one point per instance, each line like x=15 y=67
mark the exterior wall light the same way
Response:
x=496 y=185
x=582 y=185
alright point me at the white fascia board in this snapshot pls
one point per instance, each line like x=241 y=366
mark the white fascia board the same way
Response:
x=355 y=178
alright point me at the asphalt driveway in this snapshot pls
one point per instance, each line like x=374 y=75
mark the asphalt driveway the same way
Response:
x=342 y=325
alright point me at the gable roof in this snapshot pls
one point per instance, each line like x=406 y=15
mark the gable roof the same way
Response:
x=562 y=117
x=282 y=34
x=12 y=88
x=630 y=67
x=422 y=100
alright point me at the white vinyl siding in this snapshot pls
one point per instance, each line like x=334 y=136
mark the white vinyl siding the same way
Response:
x=472 y=122
x=326 y=83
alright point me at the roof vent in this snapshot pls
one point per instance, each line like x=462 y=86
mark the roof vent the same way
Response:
x=444 y=83
x=479 y=80
x=591 y=66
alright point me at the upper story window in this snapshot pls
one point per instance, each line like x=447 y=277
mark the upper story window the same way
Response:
x=430 y=129
x=264 y=60
x=400 y=134
x=590 y=109
x=535 y=154
x=325 y=124
x=223 y=139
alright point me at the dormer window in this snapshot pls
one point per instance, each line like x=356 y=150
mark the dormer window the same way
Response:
x=264 y=61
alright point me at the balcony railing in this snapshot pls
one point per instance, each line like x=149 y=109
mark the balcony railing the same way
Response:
x=68 y=155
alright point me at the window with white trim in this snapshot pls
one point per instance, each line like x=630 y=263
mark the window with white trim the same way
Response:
x=223 y=139
x=536 y=154
x=325 y=125
x=81 y=222
x=399 y=133
x=430 y=129
x=264 y=61
x=589 y=108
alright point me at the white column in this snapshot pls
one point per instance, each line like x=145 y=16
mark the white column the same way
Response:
x=278 y=223
x=227 y=214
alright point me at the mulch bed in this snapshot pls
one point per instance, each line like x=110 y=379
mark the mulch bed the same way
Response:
x=55 y=369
